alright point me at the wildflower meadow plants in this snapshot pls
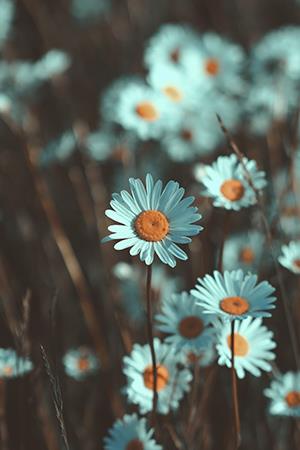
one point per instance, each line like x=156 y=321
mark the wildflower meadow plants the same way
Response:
x=150 y=225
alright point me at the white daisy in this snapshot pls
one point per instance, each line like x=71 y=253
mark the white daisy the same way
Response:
x=284 y=393
x=290 y=257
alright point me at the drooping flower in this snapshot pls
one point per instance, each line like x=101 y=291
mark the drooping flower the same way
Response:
x=130 y=433
x=253 y=345
x=172 y=381
x=226 y=182
x=244 y=250
x=234 y=295
x=153 y=220
x=168 y=45
x=284 y=393
x=183 y=320
x=290 y=257
x=12 y=365
x=132 y=295
x=81 y=362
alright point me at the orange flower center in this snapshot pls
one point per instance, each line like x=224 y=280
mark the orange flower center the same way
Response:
x=151 y=225
x=190 y=327
x=293 y=399
x=234 y=305
x=233 y=190
x=8 y=371
x=240 y=346
x=162 y=377
x=135 y=444
x=296 y=263
x=247 y=255
x=83 y=364
x=192 y=357
x=212 y=66
x=173 y=93
x=147 y=111
x=186 y=135
x=174 y=55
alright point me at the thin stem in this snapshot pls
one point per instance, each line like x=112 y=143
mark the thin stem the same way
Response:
x=3 y=424
x=151 y=341
x=235 y=402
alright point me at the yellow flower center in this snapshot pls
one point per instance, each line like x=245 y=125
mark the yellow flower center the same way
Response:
x=296 y=263
x=152 y=225
x=247 y=255
x=173 y=93
x=8 y=371
x=161 y=379
x=240 y=346
x=135 y=444
x=83 y=364
x=174 y=55
x=233 y=190
x=212 y=66
x=234 y=305
x=147 y=111
x=293 y=399
x=190 y=327
x=186 y=135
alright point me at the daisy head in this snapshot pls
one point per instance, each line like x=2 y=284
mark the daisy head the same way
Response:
x=168 y=45
x=284 y=393
x=80 y=363
x=234 y=295
x=202 y=356
x=183 y=320
x=153 y=220
x=215 y=63
x=172 y=381
x=130 y=433
x=144 y=111
x=253 y=345
x=226 y=182
x=12 y=365
x=290 y=257
x=243 y=250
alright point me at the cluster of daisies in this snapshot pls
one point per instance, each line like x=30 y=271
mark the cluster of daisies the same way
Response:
x=154 y=220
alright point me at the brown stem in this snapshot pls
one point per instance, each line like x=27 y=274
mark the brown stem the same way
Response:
x=151 y=341
x=224 y=238
x=3 y=424
x=235 y=402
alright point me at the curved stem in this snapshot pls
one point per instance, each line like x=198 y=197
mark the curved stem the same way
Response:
x=151 y=341
x=235 y=402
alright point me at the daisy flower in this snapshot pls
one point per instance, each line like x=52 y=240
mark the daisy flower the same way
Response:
x=202 y=357
x=244 y=250
x=108 y=143
x=284 y=393
x=172 y=381
x=290 y=257
x=215 y=63
x=172 y=83
x=253 y=345
x=199 y=133
x=80 y=363
x=276 y=56
x=130 y=433
x=144 y=111
x=226 y=182
x=153 y=220
x=168 y=45
x=12 y=365
x=234 y=295
x=184 y=321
